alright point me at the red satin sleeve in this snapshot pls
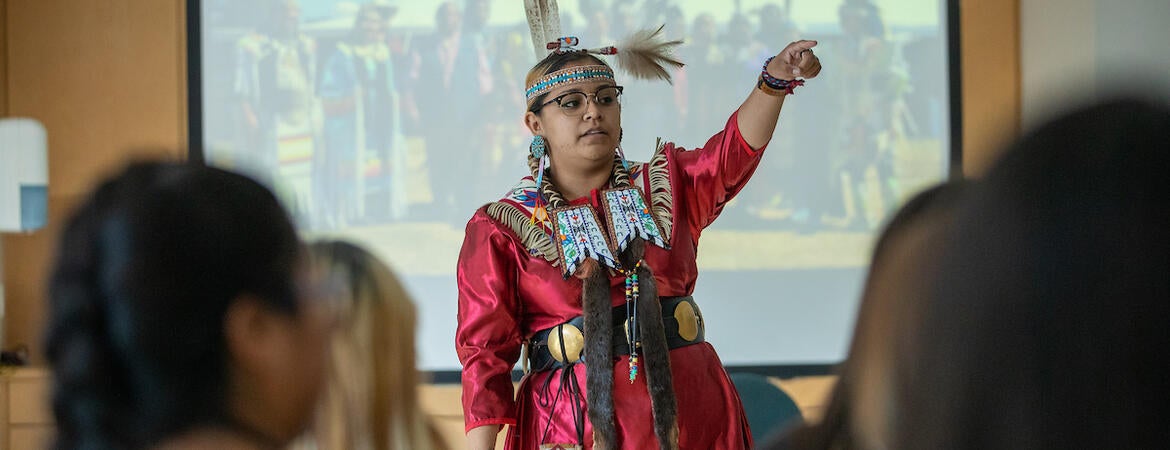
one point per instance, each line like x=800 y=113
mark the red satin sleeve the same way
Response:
x=487 y=338
x=712 y=175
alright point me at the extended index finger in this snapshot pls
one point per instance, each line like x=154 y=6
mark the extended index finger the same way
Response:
x=804 y=44
x=794 y=49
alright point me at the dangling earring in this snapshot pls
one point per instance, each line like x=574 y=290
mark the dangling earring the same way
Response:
x=538 y=147
x=622 y=154
x=540 y=172
x=539 y=151
x=539 y=212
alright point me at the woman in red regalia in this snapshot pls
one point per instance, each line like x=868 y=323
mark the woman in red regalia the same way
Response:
x=590 y=262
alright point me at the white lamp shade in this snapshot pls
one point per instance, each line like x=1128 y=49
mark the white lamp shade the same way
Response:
x=24 y=175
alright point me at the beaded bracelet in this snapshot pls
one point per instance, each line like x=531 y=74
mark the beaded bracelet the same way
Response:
x=776 y=84
x=763 y=86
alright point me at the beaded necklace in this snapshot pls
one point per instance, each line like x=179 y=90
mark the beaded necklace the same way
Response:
x=578 y=235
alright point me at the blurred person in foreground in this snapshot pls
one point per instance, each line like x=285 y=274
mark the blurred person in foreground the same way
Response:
x=892 y=296
x=1041 y=323
x=182 y=316
x=1047 y=327
x=371 y=397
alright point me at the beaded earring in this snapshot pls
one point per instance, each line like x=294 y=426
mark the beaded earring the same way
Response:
x=538 y=147
x=539 y=151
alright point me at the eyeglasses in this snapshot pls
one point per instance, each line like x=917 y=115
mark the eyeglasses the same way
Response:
x=572 y=104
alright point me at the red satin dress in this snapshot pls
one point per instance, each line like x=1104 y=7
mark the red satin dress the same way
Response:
x=507 y=294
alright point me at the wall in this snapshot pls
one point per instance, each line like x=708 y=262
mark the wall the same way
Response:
x=1076 y=51
x=3 y=112
x=991 y=79
x=107 y=79
x=3 y=59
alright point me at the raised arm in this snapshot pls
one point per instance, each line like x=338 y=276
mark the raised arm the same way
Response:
x=710 y=176
x=761 y=110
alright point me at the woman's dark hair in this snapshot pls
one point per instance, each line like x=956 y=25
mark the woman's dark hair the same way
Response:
x=553 y=62
x=940 y=197
x=834 y=431
x=144 y=275
x=1047 y=326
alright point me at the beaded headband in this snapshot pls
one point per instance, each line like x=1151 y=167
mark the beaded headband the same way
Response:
x=571 y=75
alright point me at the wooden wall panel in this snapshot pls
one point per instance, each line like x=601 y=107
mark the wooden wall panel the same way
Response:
x=3 y=59
x=990 y=42
x=107 y=79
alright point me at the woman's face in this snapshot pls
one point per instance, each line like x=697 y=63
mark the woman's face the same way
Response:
x=583 y=137
x=295 y=351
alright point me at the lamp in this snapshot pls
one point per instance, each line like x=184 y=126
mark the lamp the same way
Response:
x=24 y=181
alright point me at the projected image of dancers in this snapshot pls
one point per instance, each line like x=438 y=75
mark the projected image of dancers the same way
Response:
x=392 y=119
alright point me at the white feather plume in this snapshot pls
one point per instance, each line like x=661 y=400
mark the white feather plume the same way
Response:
x=544 y=23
